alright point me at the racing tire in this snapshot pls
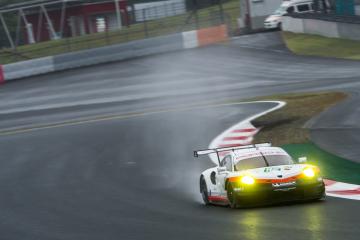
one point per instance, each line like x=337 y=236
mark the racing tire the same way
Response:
x=231 y=197
x=204 y=192
x=322 y=198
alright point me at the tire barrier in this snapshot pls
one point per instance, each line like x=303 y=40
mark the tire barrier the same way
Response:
x=138 y=48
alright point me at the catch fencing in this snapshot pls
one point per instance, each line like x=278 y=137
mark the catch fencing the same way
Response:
x=150 y=22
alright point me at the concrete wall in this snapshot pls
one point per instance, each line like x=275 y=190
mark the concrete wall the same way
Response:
x=139 y=48
x=118 y=52
x=319 y=27
x=28 y=68
x=349 y=31
x=190 y=39
x=290 y=24
x=323 y=28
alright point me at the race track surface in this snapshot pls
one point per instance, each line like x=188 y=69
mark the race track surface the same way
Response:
x=106 y=152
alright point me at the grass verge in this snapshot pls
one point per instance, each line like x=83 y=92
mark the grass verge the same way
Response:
x=285 y=125
x=332 y=166
x=284 y=128
x=314 y=45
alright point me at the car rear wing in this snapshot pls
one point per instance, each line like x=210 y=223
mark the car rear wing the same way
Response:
x=227 y=149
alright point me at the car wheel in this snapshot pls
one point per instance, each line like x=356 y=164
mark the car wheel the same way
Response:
x=279 y=26
x=231 y=196
x=323 y=197
x=204 y=192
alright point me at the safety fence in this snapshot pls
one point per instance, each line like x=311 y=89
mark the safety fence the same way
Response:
x=143 y=23
x=117 y=52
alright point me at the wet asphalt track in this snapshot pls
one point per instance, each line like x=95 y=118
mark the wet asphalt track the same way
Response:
x=135 y=178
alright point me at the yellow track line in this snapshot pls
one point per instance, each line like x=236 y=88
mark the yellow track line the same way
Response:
x=101 y=118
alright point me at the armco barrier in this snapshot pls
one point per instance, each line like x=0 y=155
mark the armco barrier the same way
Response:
x=212 y=35
x=28 y=68
x=2 y=78
x=295 y=25
x=118 y=52
x=319 y=27
x=349 y=31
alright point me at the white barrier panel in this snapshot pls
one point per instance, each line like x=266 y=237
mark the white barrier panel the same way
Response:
x=290 y=24
x=349 y=31
x=28 y=68
x=319 y=27
x=190 y=39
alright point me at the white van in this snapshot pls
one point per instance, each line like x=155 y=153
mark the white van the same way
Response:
x=292 y=6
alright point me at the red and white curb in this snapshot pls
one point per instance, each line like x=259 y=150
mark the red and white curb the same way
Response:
x=342 y=190
x=243 y=133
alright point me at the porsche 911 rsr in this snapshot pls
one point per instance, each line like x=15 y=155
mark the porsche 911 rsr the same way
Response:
x=258 y=174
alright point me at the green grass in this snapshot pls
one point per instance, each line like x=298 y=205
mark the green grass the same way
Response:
x=331 y=166
x=285 y=125
x=207 y=17
x=314 y=45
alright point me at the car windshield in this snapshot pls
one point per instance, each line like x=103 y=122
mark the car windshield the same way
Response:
x=259 y=162
x=280 y=11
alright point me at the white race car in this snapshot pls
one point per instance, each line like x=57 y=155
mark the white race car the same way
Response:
x=258 y=174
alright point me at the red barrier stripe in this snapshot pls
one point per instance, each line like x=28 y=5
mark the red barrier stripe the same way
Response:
x=346 y=192
x=217 y=198
x=2 y=78
x=235 y=138
x=229 y=145
x=244 y=130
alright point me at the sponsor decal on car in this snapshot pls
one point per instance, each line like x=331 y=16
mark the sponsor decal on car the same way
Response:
x=284 y=184
x=272 y=169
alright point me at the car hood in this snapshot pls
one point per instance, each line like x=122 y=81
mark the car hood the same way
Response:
x=275 y=172
x=273 y=18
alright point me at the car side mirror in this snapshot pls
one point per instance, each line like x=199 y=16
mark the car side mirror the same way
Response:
x=302 y=159
x=221 y=170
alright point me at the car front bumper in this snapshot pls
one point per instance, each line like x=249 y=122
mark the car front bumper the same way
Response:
x=270 y=195
x=271 y=25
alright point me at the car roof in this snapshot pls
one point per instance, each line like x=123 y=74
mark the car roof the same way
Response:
x=242 y=154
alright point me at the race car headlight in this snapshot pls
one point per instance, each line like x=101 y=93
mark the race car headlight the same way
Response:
x=309 y=172
x=247 y=180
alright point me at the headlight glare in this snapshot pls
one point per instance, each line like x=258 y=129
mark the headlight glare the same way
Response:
x=248 y=180
x=309 y=172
